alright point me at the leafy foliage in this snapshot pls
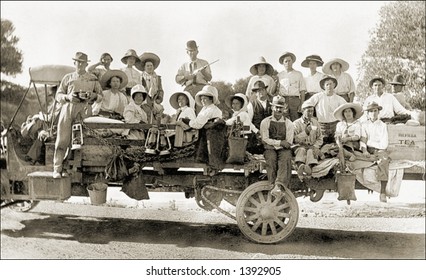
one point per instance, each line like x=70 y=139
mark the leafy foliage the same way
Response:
x=397 y=46
x=11 y=58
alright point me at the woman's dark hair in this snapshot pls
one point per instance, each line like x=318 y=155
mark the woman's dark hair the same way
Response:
x=106 y=54
x=239 y=99
x=186 y=97
x=148 y=60
x=109 y=81
x=353 y=112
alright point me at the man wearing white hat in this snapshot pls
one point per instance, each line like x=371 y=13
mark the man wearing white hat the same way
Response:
x=77 y=92
x=277 y=134
x=312 y=80
x=262 y=71
x=291 y=85
x=195 y=74
x=345 y=84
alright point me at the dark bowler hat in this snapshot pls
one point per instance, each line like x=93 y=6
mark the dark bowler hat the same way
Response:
x=398 y=80
x=79 y=56
x=191 y=45
x=326 y=78
x=313 y=57
x=377 y=78
x=259 y=85
x=373 y=105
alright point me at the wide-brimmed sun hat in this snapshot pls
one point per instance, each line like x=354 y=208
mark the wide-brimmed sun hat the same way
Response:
x=377 y=78
x=79 y=56
x=262 y=60
x=327 y=67
x=398 y=79
x=139 y=88
x=281 y=59
x=147 y=56
x=174 y=99
x=323 y=80
x=373 y=105
x=312 y=57
x=240 y=96
x=130 y=53
x=113 y=73
x=207 y=91
x=338 y=113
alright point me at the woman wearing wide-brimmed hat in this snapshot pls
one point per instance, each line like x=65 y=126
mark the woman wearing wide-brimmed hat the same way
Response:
x=134 y=113
x=263 y=71
x=130 y=58
x=184 y=104
x=349 y=130
x=346 y=86
x=312 y=81
x=150 y=80
x=114 y=101
x=325 y=102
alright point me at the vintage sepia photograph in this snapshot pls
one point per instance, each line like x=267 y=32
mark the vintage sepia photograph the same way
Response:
x=212 y=139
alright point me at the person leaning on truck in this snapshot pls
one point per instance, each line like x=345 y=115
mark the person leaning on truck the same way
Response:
x=77 y=92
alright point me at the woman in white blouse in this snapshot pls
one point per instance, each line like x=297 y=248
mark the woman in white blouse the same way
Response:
x=184 y=104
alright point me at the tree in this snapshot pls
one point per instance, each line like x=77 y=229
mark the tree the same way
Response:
x=225 y=90
x=397 y=46
x=241 y=84
x=11 y=57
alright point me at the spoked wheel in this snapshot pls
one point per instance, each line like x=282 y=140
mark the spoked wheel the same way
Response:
x=264 y=218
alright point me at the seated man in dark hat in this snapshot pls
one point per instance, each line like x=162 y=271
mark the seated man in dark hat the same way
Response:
x=277 y=134
x=195 y=74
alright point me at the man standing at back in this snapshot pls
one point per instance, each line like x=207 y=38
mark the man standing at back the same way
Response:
x=195 y=74
x=291 y=85
x=76 y=93
x=398 y=84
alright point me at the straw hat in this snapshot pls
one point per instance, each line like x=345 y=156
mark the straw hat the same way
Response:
x=279 y=101
x=138 y=88
x=147 y=56
x=79 y=56
x=174 y=99
x=293 y=57
x=373 y=105
x=130 y=53
x=327 y=67
x=207 y=91
x=312 y=57
x=370 y=84
x=328 y=78
x=398 y=80
x=242 y=97
x=262 y=60
x=113 y=73
x=338 y=113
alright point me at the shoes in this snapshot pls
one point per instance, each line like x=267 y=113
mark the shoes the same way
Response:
x=308 y=170
x=383 y=197
x=56 y=175
x=276 y=191
x=300 y=172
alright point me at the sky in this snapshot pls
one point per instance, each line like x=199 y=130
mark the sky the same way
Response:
x=237 y=33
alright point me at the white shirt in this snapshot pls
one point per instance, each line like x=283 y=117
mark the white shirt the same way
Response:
x=291 y=83
x=207 y=112
x=112 y=102
x=244 y=118
x=389 y=103
x=313 y=82
x=325 y=106
x=345 y=84
x=344 y=129
x=133 y=75
x=376 y=134
x=134 y=114
x=186 y=113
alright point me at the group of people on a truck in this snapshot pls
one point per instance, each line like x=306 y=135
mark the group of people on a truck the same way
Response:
x=289 y=116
